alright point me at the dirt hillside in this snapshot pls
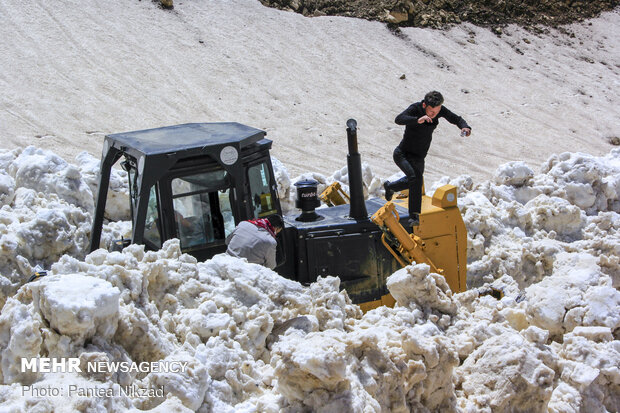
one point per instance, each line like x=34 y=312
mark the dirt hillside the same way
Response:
x=442 y=13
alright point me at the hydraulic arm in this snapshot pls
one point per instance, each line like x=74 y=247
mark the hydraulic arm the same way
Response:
x=406 y=248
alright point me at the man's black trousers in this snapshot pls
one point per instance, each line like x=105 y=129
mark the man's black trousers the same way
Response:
x=413 y=167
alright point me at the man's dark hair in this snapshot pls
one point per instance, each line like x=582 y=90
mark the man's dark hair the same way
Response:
x=276 y=221
x=433 y=99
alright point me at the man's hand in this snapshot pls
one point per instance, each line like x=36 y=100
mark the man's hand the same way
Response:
x=181 y=219
x=425 y=118
x=465 y=132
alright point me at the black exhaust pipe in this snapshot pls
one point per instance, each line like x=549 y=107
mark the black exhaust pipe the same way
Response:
x=357 y=209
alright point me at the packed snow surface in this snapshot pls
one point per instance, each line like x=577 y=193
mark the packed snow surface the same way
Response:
x=253 y=341
x=72 y=72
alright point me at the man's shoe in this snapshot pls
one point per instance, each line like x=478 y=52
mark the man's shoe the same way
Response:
x=414 y=221
x=388 y=192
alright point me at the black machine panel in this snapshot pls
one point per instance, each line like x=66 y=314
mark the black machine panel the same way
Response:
x=339 y=246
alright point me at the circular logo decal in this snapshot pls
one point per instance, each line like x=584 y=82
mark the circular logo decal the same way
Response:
x=450 y=197
x=229 y=155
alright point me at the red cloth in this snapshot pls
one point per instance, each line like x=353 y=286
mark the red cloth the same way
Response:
x=265 y=224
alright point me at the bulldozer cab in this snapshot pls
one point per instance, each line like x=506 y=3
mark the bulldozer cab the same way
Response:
x=194 y=182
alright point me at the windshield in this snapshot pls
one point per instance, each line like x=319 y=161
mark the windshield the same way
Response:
x=202 y=208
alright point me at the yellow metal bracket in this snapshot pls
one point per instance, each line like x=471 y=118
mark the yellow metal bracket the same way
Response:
x=334 y=195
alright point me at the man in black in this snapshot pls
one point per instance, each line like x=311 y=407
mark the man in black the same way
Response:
x=420 y=120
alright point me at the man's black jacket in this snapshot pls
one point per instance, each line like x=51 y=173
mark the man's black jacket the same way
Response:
x=418 y=136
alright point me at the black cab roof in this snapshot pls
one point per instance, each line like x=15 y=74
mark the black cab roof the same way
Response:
x=185 y=137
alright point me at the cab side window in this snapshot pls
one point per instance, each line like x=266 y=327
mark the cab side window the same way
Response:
x=262 y=197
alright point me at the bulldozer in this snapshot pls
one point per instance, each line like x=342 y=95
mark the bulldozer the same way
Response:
x=197 y=181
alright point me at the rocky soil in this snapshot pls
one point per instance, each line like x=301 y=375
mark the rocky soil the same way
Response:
x=441 y=13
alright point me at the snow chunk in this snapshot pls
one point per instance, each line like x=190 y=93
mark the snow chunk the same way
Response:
x=590 y=367
x=7 y=189
x=44 y=171
x=582 y=296
x=20 y=336
x=554 y=214
x=507 y=370
x=189 y=386
x=415 y=286
x=77 y=306
x=513 y=173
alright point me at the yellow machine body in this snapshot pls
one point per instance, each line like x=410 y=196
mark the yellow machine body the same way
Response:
x=440 y=240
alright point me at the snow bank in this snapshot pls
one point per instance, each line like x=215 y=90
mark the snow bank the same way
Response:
x=253 y=341
x=46 y=205
x=217 y=316
x=518 y=224
x=44 y=171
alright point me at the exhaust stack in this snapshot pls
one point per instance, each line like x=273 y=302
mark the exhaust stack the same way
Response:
x=357 y=209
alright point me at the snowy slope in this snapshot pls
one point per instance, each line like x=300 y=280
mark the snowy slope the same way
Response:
x=72 y=71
